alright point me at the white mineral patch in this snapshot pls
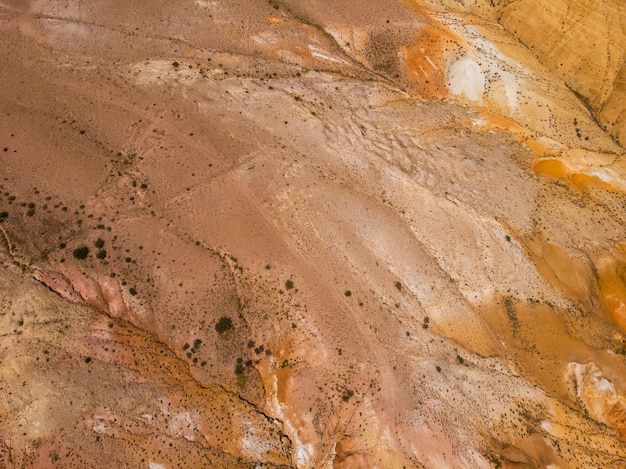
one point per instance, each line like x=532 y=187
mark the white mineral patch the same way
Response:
x=466 y=79
x=154 y=465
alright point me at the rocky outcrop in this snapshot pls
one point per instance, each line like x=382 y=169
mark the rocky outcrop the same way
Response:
x=598 y=396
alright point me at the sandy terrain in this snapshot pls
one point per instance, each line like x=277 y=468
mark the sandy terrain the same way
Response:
x=311 y=235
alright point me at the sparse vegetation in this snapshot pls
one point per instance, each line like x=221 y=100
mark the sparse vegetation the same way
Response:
x=287 y=206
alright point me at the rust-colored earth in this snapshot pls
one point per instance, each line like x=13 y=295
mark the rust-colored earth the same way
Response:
x=312 y=234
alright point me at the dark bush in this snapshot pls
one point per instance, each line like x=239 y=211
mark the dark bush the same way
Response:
x=224 y=324
x=99 y=243
x=81 y=252
x=347 y=394
x=288 y=284
x=101 y=254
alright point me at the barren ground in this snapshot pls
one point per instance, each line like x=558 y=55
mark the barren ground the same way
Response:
x=314 y=234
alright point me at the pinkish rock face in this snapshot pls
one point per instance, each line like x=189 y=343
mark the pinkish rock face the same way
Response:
x=311 y=234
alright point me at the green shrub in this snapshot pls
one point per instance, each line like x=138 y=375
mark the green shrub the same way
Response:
x=288 y=284
x=99 y=243
x=224 y=324
x=81 y=252
x=101 y=254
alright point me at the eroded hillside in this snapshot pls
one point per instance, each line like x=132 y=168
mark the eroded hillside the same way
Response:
x=310 y=234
